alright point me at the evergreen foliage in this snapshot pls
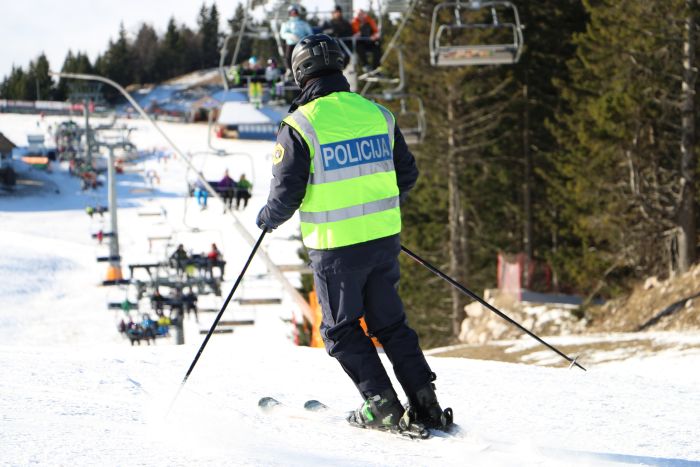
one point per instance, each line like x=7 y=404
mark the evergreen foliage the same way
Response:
x=617 y=185
x=78 y=63
x=209 y=31
x=143 y=58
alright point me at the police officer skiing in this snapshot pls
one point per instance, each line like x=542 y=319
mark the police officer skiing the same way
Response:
x=343 y=162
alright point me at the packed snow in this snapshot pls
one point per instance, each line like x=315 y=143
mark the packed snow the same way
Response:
x=74 y=392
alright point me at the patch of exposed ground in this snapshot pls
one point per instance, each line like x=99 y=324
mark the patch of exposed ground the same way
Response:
x=654 y=305
x=669 y=305
x=589 y=350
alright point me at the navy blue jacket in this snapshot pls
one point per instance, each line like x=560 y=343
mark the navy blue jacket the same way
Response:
x=291 y=173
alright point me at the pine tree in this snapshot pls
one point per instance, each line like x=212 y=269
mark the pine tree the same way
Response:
x=208 y=22
x=117 y=63
x=622 y=182
x=168 y=58
x=549 y=28
x=39 y=81
x=16 y=85
x=189 y=48
x=246 y=45
x=145 y=52
x=35 y=83
x=69 y=63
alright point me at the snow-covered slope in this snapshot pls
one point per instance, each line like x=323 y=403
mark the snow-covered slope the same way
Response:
x=74 y=392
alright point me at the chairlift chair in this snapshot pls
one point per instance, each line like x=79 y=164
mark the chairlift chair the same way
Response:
x=258 y=32
x=250 y=30
x=413 y=134
x=442 y=54
x=279 y=9
x=395 y=6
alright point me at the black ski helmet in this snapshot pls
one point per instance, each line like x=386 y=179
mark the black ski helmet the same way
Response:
x=316 y=55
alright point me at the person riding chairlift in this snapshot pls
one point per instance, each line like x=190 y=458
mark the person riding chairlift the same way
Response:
x=365 y=29
x=292 y=31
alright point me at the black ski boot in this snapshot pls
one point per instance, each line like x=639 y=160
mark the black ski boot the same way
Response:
x=385 y=412
x=425 y=409
x=382 y=411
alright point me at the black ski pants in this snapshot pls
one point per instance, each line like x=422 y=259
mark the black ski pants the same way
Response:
x=345 y=296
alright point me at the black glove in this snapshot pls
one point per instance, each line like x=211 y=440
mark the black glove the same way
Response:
x=261 y=223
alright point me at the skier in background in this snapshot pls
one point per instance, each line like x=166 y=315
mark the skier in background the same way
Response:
x=365 y=29
x=349 y=190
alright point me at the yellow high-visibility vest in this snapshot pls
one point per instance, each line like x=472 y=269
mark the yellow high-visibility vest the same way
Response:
x=352 y=196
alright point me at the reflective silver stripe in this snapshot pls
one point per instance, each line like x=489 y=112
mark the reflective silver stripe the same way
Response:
x=390 y=123
x=349 y=212
x=350 y=172
x=308 y=130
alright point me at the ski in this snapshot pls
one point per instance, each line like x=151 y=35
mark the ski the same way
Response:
x=267 y=404
x=316 y=411
x=315 y=406
x=273 y=407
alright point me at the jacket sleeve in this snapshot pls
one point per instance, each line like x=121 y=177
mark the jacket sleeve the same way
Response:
x=285 y=31
x=290 y=175
x=373 y=25
x=404 y=165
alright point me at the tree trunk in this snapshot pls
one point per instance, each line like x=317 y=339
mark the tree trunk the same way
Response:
x=686 y=219
x=455 y=214
x=527 y=191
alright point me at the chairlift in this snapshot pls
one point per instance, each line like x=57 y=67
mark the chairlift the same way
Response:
x=247 y=29
x=442 y=54
x=410 y=115
x=413 y=134
x=375 y=77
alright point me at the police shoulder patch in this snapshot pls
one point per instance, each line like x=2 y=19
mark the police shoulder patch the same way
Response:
x=277 y=154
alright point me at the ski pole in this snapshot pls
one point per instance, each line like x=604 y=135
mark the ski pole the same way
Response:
x=218 y=317
x=468 y=292
x=223 y=308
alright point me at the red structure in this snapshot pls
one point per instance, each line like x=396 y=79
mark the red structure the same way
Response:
x=511 y=276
